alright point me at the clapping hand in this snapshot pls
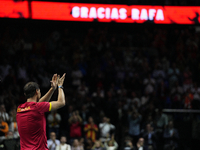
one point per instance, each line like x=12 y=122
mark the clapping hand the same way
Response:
x=54 y=81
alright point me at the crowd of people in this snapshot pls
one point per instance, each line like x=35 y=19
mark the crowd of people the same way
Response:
x=117 y=84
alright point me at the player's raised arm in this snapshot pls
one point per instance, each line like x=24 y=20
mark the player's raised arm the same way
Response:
x=48 y=95
x=61 y=96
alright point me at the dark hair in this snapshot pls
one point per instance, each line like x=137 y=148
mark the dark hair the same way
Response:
x=30 y=89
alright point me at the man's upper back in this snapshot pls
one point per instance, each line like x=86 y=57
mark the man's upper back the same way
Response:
x=32 y=125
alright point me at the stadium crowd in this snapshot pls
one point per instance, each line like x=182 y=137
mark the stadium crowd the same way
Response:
x=118 y=82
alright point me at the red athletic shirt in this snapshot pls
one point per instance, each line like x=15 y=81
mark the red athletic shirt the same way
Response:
x=31 y=123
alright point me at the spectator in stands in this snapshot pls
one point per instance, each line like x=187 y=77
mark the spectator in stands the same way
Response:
x=13 y=123
x=128 y=145
x=83 y=89
x=76 y=146
x=145 y=98
x=196 y=96
x=5 y=67
x=140 y=144
x=52 y=142
x=158 y=73
x=173 y=73
x=111 y=144
x=82 y=142
x=54 y=119
x=105 y=129
x=150 y=136
x=88 y=144
x=161 y=120
x=10 y=143
x=63 y=145
x=91 y=129
x=4 y=114
x=188 y=98
x=176 y=95
x=84 y=114
x=98 y=145
x=135 y=101
x=134 y=120
x=149 y=84
x=75 y=122
x=187 y=79
x=196 y=92
x=76 y=76
x=171 y=136
x=3 y=129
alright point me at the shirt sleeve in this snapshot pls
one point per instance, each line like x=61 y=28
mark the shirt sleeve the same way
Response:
x=44 y=107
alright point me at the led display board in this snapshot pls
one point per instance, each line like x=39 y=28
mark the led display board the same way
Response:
x=100 y=12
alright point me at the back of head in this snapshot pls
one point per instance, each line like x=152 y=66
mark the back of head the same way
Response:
x=30 y=89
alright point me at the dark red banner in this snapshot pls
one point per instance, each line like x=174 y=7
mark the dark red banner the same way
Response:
x=101 y=12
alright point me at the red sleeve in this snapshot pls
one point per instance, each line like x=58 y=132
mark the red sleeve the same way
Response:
x=43 y=107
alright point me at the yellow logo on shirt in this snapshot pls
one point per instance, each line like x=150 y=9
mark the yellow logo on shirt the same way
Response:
x=23 y=109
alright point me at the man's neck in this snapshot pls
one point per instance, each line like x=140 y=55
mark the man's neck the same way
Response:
x=32 y=99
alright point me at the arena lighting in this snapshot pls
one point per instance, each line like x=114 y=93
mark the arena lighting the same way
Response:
x=105 y=12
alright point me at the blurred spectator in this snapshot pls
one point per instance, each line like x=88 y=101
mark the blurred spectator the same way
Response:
x=75 y=122
x=52 y=142
x=106 y=129
x=13 y=123
x=5 y=67
x=188 y=98
x=173 y=74
x=135 y=101
x=84 y=114
x=76 y=76
x=171 y=136
x=83 y=89
x=196 y=92
x=111 y=144
x=10 y=143
x=91 y=129
x=161 y=120
x=187 y=79
x=134 y=120
x=145 y=98
x=3 y=129
x=158 y=73
x=98 y=145
x=150 y=137
x=149 y=84
x=88 y=144
x=128 y=145
x=63 y=145
x=140 y=144
x=54 y=119
x=176 y=95
x=76 y=146
x=4 y=114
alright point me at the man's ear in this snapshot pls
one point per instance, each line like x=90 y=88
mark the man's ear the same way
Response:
x=36 y=91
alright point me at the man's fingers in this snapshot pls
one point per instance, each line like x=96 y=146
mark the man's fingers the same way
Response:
x=54 y=77
x=63 y=76
x=58 y=77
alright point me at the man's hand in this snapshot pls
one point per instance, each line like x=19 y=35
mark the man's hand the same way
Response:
x=54 y=81
x=60 y=80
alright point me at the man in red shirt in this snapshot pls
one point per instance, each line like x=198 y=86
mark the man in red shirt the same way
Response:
x=31 y=115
